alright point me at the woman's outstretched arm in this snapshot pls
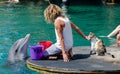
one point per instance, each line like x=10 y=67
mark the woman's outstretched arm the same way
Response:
x=115 y=31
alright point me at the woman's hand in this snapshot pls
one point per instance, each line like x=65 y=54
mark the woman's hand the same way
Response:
x=65 y=57
x=86 y=37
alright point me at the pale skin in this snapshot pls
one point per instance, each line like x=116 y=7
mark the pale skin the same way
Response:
x=114 y=32
x=59 y=25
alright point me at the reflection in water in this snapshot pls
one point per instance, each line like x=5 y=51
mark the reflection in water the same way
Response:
x=64 y=9
x=111 y=15
x=16 y=68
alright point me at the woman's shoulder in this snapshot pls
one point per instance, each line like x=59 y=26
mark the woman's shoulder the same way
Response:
x=58 y=22
x=63 y=18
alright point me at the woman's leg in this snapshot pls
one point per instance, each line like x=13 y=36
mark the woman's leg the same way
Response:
x=52 y=50
x=70 y=52
x=114 y=32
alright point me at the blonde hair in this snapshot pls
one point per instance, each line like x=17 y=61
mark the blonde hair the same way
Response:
x=52 y=12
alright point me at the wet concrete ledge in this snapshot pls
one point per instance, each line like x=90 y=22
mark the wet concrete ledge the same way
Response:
x=82 y=63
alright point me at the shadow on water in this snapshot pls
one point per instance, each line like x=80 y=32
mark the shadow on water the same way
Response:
x=79 y=2
x=85 y=2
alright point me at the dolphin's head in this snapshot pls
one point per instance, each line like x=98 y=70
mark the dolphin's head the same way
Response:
x=18 y=50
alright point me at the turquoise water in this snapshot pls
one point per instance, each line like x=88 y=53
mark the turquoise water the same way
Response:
x=16 y=22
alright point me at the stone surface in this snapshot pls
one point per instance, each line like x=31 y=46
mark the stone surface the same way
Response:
x=83 y=61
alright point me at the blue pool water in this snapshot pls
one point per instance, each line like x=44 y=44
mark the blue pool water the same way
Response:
x=16 y=22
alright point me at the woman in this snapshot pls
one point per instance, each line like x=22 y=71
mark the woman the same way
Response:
x=63 y=31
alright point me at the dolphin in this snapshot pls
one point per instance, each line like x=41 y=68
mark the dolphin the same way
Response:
x=18 y=51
